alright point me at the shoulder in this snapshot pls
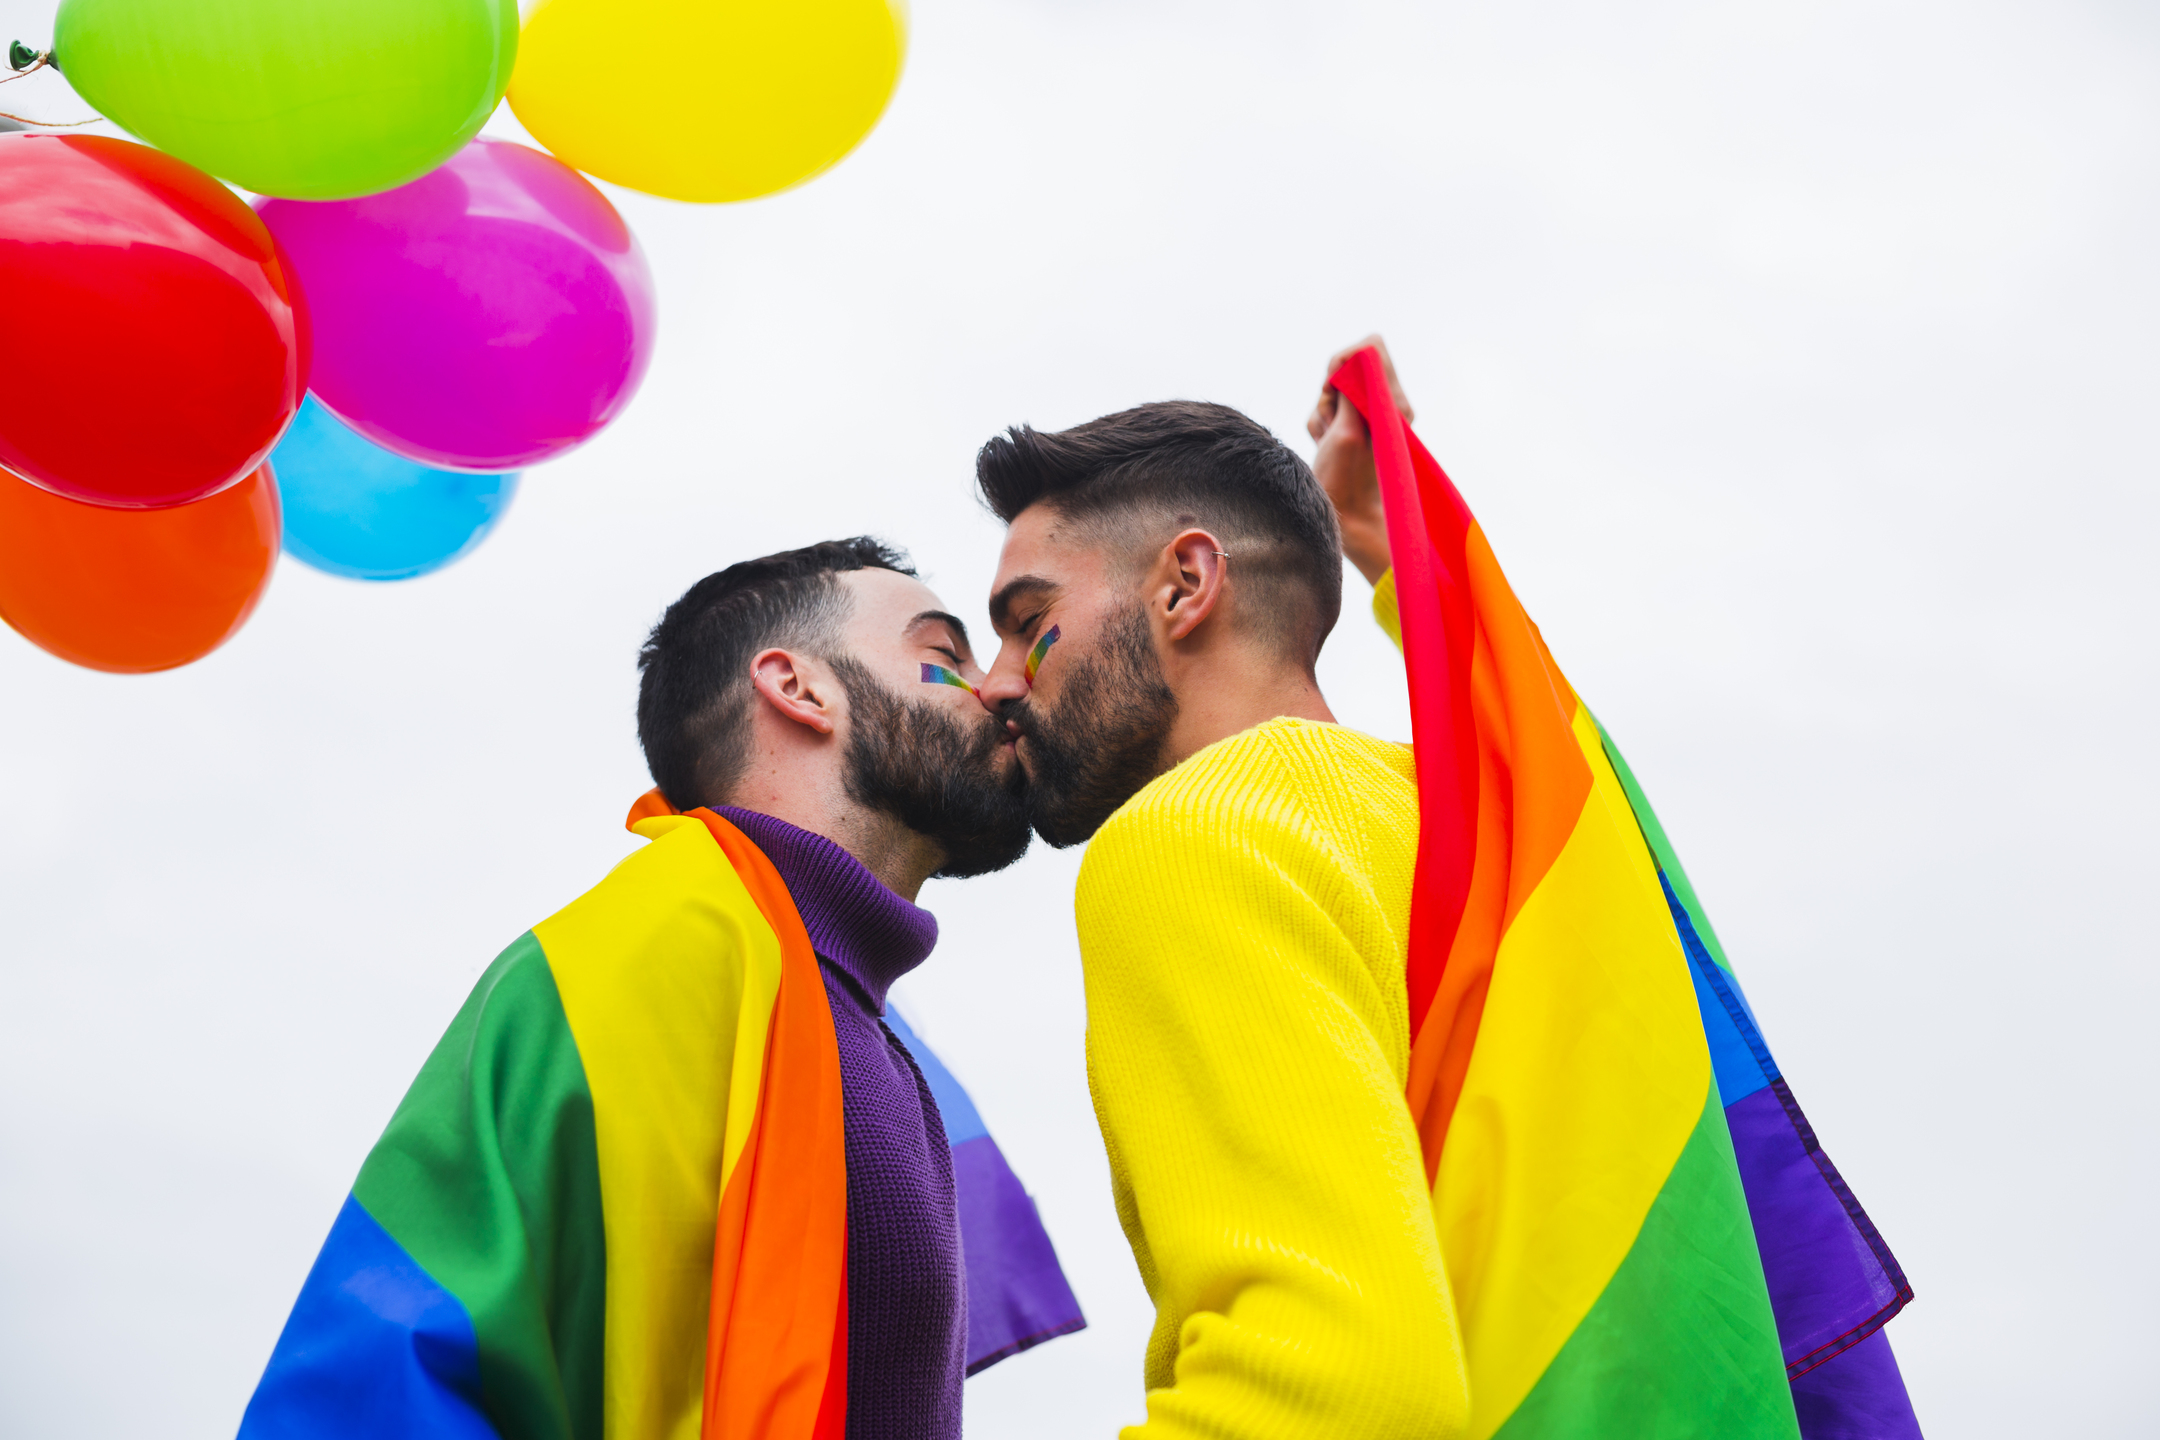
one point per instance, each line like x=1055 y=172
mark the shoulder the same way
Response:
x=680 y=894
x=514 y=1002
x=670 y=944
x=1288 y=777
x=1321 y=809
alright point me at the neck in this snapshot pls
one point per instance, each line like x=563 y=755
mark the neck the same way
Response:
x=857 y=925
x=1231 y=692
x=899 y=857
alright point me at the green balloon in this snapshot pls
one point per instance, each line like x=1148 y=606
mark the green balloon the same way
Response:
x=309 y=99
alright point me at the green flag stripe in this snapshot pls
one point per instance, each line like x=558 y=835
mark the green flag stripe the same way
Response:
x=490 y=1179
x=1681 y=1345
x=1660 y=846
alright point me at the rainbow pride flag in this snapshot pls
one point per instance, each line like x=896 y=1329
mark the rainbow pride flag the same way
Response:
x=614 y=1202
x=1017 y=1294
x=1642 y=1234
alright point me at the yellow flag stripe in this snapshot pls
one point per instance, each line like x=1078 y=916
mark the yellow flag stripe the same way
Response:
x=1588 y=1077
x=667 y=974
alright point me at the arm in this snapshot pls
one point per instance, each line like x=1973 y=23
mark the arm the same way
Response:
x=459 y=1295
x=1247 y=1070
x=1343 y=463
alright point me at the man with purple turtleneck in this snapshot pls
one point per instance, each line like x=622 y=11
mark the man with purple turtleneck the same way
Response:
x=671 y=1171
x=821 y=700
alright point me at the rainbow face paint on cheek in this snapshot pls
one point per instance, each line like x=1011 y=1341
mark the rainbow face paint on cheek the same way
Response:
x=939 y=675
x=1042 y=648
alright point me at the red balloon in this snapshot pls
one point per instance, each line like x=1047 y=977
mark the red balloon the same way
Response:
x=134 y=590
x=171 y=350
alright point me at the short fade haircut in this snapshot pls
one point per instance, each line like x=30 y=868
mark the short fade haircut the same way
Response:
x=1137 y=477
x=694 y=671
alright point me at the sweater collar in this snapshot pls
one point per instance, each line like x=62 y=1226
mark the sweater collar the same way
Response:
x=856 y=922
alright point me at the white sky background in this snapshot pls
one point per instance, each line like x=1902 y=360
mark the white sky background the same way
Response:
x=1799 y=361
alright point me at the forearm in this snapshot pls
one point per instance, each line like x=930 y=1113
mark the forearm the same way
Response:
x=1365 y=544
x=461 y=1288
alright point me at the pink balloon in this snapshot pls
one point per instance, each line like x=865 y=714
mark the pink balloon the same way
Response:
x=491 y=314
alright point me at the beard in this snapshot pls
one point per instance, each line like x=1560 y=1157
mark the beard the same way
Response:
x=935 y=773
x=1104 y=740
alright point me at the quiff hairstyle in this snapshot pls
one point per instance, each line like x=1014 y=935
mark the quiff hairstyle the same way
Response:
x=694 y=672
x=1133 y=480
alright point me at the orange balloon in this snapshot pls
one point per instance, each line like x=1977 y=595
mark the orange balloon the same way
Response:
x=132 y=591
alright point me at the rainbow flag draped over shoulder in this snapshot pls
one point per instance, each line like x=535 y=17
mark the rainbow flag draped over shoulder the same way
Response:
x=1642 y=1236
x=614 y=1202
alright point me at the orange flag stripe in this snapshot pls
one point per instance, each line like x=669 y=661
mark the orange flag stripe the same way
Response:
x=776 y=1345
x=1502 y=801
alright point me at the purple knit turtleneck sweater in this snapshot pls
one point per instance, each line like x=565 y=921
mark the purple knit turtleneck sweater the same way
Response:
x=907 y=1296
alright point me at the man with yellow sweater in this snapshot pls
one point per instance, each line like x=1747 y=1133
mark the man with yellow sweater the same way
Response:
x=1169 y=576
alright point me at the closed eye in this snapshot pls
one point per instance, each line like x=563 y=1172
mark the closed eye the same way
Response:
x=933 y=626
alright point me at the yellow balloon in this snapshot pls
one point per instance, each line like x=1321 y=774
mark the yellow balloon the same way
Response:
x=706 y=99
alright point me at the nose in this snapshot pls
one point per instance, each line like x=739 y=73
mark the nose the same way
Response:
x=1007 y=680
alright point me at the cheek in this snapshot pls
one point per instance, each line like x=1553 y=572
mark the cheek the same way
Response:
x=1039 y=653
x=1071 y=681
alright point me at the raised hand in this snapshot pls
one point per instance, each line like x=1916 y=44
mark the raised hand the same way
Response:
x=1344 y=464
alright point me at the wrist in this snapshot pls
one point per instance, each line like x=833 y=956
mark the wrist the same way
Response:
x=1365 y=545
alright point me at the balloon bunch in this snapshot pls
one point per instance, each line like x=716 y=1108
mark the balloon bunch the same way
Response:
x=357 y=367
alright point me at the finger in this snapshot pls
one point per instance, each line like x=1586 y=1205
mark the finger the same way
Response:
x=1370 y=342
x=1394 y=385
x=1323 y=414
x=1387 y=369
x=1348 y=425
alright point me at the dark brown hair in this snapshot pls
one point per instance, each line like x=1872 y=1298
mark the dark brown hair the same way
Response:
x=1139 y=476
x=694 y=671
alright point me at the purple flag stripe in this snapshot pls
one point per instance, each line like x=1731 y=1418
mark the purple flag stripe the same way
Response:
x=1828 y=1288
x=1833 y=1281
x=1017 y=1295
x=1860 y=1397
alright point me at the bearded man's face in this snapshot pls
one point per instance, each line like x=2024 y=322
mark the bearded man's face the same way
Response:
x=938 y=771
x=1090 y=747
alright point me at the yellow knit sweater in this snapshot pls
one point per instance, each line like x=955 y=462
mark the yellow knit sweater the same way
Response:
x=1242 y=926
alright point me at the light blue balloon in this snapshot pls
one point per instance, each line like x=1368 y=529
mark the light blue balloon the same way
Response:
x=353 y=508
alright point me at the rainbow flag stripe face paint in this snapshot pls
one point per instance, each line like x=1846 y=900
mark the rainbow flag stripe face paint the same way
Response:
x=939 y=675
x=1042 y=648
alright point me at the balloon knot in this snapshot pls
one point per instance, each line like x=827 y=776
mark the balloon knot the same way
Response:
x=24 y=61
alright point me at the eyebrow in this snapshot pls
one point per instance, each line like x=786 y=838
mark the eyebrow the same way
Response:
x=1001 y=604
x=954 y=622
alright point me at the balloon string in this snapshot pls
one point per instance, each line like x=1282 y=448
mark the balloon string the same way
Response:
x=50 y=124
x=25 y=61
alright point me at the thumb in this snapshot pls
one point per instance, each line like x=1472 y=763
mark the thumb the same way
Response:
x=1347 y=425
x=1323 y=414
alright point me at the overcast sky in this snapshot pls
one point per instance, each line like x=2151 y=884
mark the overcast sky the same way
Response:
x=1800 y=361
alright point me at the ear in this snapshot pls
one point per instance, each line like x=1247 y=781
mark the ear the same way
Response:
x=785 y=682
x=1190 y=578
